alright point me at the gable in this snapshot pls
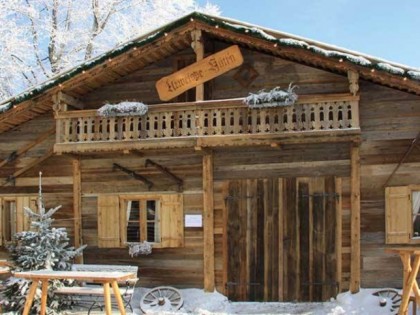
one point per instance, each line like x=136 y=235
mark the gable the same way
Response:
x=175 y=37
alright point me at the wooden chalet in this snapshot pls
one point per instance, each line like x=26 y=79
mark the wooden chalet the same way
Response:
x=283 y=203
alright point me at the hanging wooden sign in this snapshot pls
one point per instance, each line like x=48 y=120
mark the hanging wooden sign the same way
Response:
x=202 y=71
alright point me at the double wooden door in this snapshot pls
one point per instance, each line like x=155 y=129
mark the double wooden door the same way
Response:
x=281 y=239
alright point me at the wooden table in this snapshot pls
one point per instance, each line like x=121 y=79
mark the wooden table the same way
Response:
x=105 y=278
x=410 y=257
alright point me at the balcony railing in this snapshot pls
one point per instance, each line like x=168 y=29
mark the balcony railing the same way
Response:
x=310 y=115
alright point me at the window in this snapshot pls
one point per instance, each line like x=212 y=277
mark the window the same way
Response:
x=12 y=216
x=402 y=207
x=143 y=222
x=136 y=218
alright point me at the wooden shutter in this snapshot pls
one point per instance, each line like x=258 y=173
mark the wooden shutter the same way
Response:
x=172 y=220
x=109 y=221
x=398 y=223
x=23 y=222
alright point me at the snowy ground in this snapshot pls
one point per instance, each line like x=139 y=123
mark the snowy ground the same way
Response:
x=198 y=302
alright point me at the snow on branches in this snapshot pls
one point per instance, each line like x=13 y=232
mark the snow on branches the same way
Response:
x=42 y=38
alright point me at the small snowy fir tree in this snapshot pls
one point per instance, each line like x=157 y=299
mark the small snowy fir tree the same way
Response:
x=44 y=247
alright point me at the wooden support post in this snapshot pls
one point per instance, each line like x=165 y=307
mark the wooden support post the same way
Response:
x=77 y=206
x=208 y=219
x=339 y=231
x=355 y=219
x=198 y=47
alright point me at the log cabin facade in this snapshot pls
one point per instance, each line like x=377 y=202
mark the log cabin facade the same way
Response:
x=293 y=203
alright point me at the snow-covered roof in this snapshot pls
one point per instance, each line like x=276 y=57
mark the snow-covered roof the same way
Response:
x=275 y=38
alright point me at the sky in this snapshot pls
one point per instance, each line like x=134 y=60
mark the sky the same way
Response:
x=386 y=29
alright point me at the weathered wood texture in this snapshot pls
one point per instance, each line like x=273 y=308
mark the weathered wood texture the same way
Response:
x=308 y=217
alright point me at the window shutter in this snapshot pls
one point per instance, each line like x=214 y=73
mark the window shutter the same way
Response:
x=398 y=215
x=109 y=221
x=23 y=222
x=172 y=221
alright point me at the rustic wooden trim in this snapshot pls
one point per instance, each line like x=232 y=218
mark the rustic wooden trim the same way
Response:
x=69 y=100
x=353 y=78
x=77 y=207
x=208 y=222
x=355 y=219
x=198 y=46
x=339 y=231
x=27 y=147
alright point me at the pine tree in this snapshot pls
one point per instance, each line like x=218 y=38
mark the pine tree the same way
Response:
x=44 y=247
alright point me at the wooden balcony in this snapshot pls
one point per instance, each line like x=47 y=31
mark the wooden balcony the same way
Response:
x=208 y=123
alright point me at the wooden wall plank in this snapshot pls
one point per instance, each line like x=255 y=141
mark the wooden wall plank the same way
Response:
x=291 y=240
x=304 y=237
x=330 y=238
x=318 y=239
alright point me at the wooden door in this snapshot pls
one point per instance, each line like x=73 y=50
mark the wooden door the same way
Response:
x=281 y=236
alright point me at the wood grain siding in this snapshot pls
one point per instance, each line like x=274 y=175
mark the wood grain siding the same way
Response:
x=389 y=123
x=306 y=237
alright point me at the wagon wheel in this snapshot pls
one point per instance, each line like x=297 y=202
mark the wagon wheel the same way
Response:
x=161 y=299
x=389 y=297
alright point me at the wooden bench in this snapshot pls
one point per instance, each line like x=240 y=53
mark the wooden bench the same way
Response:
x=91 y=295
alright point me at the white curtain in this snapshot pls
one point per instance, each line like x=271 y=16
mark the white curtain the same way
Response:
x=157 y=220
x=128 y=212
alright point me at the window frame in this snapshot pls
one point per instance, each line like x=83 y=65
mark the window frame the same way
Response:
x=112 y=232
x=411 y=189
x=124 y=199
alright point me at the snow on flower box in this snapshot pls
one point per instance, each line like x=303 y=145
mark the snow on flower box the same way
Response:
x=123 y=109
x=274 y=98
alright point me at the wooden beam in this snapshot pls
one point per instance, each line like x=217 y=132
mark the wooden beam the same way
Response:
x=70 y=100
x=77 y=206
x=39 y=160
x=14 y=155
x=208 y=222
x=355 y=219
x=198 y=46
